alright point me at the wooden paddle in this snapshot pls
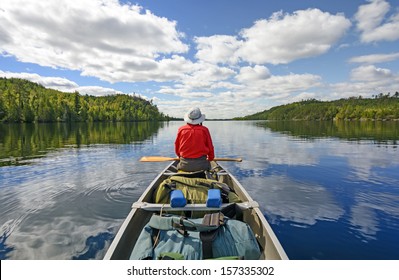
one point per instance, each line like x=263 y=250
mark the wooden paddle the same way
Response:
x=158 y=159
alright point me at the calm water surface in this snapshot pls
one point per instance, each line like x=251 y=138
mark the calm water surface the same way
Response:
x=329 y=190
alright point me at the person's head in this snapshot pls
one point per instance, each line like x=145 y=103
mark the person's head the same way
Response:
x=194 y=116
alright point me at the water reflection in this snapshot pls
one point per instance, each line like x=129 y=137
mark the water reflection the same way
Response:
x=379 y=131
x=4 y=248
x=368 y=206
x=301 y=203
x=70 y=203
x=334 y=179
x=20 y=143
x=325 y=195
x=94 y=244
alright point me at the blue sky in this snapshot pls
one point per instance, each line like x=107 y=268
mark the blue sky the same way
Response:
x=229 y=57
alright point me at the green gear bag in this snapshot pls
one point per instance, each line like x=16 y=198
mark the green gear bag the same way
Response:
x=195 y=190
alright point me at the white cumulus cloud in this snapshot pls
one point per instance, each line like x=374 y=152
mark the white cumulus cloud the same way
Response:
x=284 y=38
x=58 y=83
x=250 y=74
x=100 y=38
x=371 y=73
x=375 y=58
x=218 y=49
x=373 y=23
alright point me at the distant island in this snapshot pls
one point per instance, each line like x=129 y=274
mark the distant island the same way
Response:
x=22 y=101
x=380 y=107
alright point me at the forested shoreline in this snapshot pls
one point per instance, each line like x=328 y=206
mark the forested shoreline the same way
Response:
x=25 y=101
x=22 y=101
x=380 y=107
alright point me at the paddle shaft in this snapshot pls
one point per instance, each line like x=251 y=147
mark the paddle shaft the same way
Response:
x=159 y=159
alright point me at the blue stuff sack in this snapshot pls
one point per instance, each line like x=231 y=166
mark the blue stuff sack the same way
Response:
x=177 y=199
x=214 y=198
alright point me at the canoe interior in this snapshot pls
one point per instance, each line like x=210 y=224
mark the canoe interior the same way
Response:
x=141 y=213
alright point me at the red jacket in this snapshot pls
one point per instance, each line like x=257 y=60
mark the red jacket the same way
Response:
x=194 y=141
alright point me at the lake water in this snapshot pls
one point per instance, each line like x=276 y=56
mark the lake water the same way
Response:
x=330 y=190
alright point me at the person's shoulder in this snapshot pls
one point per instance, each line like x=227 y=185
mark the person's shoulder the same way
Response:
x=185 y=126
x=202 y=127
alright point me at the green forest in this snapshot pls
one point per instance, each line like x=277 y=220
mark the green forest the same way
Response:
x=380 y=107
x=26 y=102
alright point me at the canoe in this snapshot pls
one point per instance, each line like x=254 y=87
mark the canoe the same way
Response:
x=142 y=210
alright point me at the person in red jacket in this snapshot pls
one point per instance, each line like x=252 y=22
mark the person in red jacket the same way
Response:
x=193 y=143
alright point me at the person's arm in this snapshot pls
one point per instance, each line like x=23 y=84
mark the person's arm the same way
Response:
x=177 y=144
x=209 y=143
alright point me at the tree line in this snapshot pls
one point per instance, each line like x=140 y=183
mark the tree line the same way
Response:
x=380 y=107
x=25 y=101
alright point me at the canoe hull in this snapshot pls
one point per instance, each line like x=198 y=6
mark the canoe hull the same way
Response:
x=143 y=209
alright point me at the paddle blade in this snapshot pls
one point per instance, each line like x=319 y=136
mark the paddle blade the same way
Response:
x=157 y=159
x=228 y=159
